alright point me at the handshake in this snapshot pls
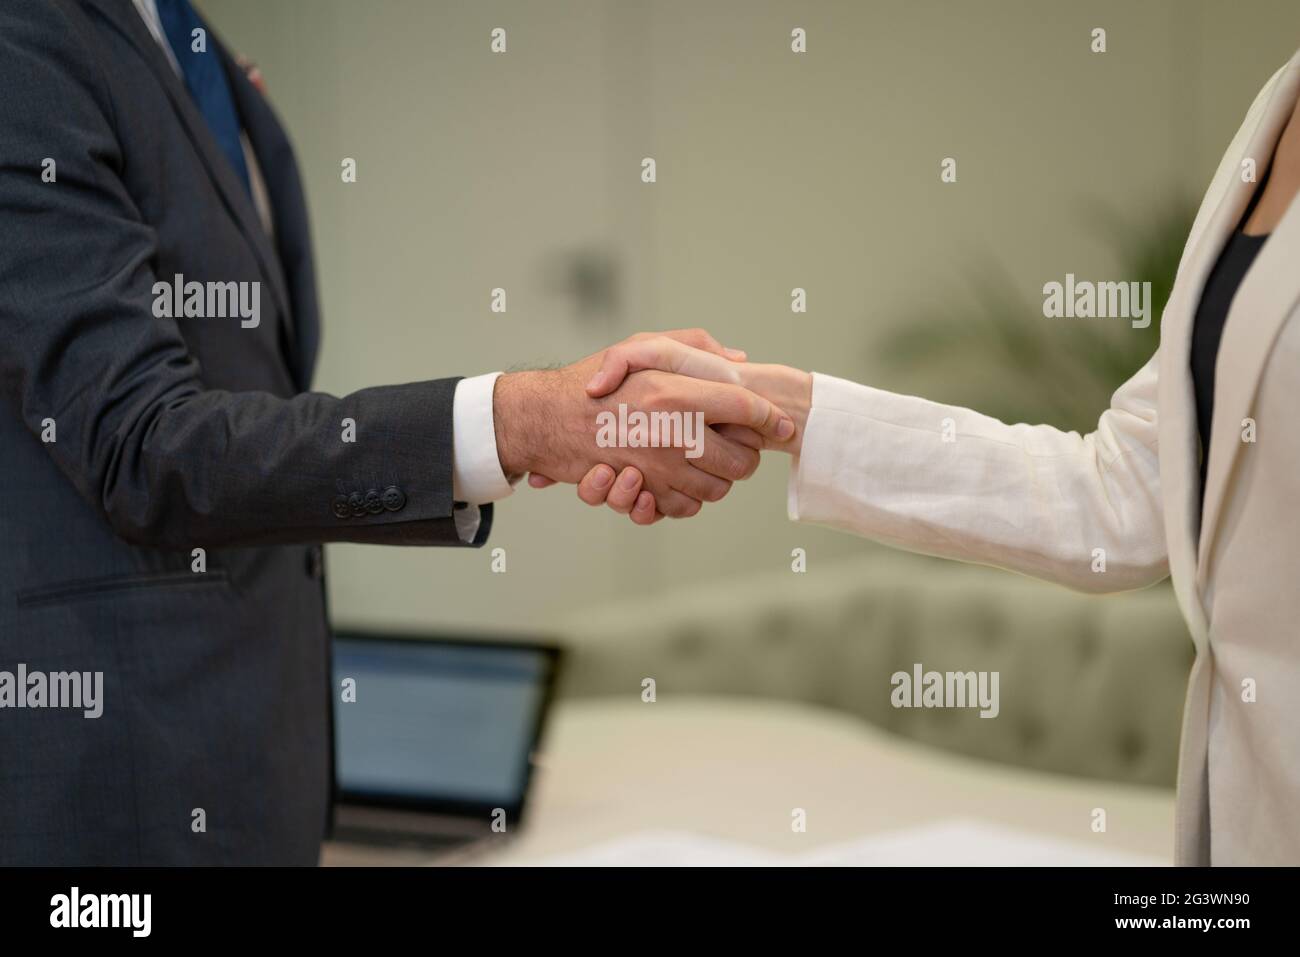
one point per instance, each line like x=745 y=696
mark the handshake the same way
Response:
x=653 y=426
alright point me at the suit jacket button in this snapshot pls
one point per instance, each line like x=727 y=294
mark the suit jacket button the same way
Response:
x=374 y=504
x=341 y=507
x=357 y=504
x=394 y=498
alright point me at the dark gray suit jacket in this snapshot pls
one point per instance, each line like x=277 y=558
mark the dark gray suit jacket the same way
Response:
x=172 y=435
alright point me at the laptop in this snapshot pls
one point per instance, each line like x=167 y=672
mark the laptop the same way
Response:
x=434 y=737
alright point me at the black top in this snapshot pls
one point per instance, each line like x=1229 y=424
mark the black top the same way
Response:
x=1216 y=298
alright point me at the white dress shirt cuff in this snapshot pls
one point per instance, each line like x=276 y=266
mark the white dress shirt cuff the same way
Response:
x=476 y=475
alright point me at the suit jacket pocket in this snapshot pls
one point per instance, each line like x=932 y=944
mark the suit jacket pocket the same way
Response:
x=108 y=586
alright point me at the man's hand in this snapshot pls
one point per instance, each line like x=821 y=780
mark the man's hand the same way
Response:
x=686 y=351
x=546 y=423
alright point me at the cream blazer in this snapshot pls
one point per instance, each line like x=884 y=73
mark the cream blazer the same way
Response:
x=951 y=482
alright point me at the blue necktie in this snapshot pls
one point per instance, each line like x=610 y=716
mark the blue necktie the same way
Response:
x=205 y=79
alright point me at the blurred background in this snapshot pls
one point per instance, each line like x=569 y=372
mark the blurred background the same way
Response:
x=775 y=170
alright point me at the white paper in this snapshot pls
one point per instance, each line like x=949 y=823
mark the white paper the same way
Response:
x=954 y=842
x=667 y=849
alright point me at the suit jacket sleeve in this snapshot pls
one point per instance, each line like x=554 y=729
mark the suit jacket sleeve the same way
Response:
x=950 y=482
x=168 y=461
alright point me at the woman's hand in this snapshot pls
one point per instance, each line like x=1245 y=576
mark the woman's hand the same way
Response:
x=787 y=388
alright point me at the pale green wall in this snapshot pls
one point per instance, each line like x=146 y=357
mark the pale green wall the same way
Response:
x=775 y=170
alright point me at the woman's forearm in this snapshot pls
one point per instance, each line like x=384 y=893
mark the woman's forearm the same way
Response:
x=1083 y=511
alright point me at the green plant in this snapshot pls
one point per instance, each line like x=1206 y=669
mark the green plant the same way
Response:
x=995 y=352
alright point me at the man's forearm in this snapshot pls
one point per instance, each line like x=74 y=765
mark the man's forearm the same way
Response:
x=523 y=412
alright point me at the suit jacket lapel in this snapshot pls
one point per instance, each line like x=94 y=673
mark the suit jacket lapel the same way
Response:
x=1224 y=204
x=121 y=14
x=292 y=239
x=1267 y=296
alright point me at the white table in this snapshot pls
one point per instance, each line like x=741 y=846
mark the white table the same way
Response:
x=735 y=769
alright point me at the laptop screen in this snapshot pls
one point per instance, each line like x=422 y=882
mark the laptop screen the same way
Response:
x=437 y=724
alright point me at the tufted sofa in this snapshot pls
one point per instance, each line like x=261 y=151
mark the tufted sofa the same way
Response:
x=1088 y=686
